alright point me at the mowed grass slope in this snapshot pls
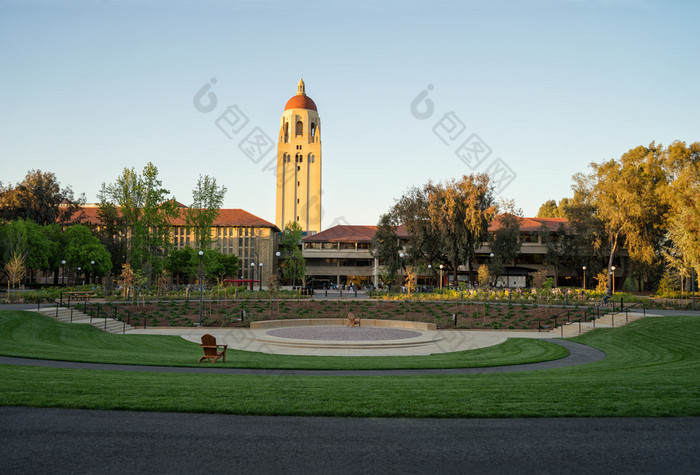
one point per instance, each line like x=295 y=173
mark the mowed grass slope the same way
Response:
x=33 y=335
x=652 y=369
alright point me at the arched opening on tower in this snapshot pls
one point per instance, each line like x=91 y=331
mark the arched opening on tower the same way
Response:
x=313 y=132
x=300 y=128
x=286 y=132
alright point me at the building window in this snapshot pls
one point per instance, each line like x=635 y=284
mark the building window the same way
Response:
x=313 y=132
x=286 y=132
x=300 y=128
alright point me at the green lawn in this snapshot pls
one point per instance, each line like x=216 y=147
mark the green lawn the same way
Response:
x=652 y=369
x=37 y=336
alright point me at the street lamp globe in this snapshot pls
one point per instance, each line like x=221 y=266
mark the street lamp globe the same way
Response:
x=201 y=253
x=260 y=277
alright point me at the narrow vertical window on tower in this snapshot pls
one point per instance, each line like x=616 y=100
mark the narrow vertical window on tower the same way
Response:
x=313 y=132
x=286 y=132
x=300 y=128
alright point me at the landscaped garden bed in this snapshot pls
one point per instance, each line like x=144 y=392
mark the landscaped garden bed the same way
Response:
x=239 y=313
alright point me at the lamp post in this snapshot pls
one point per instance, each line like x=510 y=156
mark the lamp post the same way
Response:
x=278 y=271
x=584 y=277
x=77 y=276
x=612 y=271
x=92 y=271
x=430 y=268
x=260 y=276
x=200 y=271
x=441 y=267
x=252 y=275
x=692 y=284
x=63 y=277
x=492 y=256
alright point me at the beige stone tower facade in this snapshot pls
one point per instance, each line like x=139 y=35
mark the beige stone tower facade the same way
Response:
x=299 y=164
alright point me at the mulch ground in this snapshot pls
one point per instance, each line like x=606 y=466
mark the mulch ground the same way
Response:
x=239 y=313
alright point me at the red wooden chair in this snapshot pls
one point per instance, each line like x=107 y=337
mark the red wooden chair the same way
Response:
x=353 y=320
x=211 y=349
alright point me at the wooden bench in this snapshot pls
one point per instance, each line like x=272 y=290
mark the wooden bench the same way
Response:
x=353 y=320
x=81 y=295
x=211 y=349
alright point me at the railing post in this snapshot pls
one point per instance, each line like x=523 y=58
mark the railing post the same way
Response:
x=71 y=314
x=123 y=328
x=612 y=319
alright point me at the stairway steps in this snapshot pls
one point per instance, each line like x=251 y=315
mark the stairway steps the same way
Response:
x=64 y=315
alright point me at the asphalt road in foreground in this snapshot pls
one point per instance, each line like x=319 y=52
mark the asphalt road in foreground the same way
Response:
x=80 y=441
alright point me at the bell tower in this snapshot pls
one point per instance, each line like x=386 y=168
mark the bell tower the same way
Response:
x=299 y=164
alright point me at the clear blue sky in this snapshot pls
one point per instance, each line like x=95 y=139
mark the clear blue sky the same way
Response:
x=88 y=88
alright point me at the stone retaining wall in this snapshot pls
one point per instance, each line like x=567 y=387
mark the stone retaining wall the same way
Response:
x=315 y=322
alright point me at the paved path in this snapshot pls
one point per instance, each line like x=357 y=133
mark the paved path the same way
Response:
x=579 y=354
x=58 y=441
x=429 y=342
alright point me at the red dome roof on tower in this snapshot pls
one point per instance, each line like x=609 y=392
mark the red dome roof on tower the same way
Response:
x=301 y=100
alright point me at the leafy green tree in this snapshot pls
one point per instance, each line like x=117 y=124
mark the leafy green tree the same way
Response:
x=146 y=213
x=28 y=239
x=626 y=195
x=682 y=163
x=386 y=246
x=39 y=198
x=83 y=248
x=424 y=239
x=112 y=233
x=461 y=211
x=505 y=240
x=293 y=263
x=550 y=209
x=182 y=263
x=221 y=266
x=207 y=199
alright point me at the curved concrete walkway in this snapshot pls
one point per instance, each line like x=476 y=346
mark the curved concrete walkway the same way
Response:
x=578 y=354
x=426 y=343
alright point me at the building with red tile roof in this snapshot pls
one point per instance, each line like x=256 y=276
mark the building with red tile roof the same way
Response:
x=235 y=231
x=341 y=254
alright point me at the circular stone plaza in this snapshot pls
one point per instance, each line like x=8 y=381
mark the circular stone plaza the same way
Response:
x=332 y=338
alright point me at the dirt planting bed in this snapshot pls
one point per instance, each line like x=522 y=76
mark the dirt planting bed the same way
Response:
x=239 y=313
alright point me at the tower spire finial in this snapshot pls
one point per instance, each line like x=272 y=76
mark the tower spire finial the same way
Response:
x=301 y=89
